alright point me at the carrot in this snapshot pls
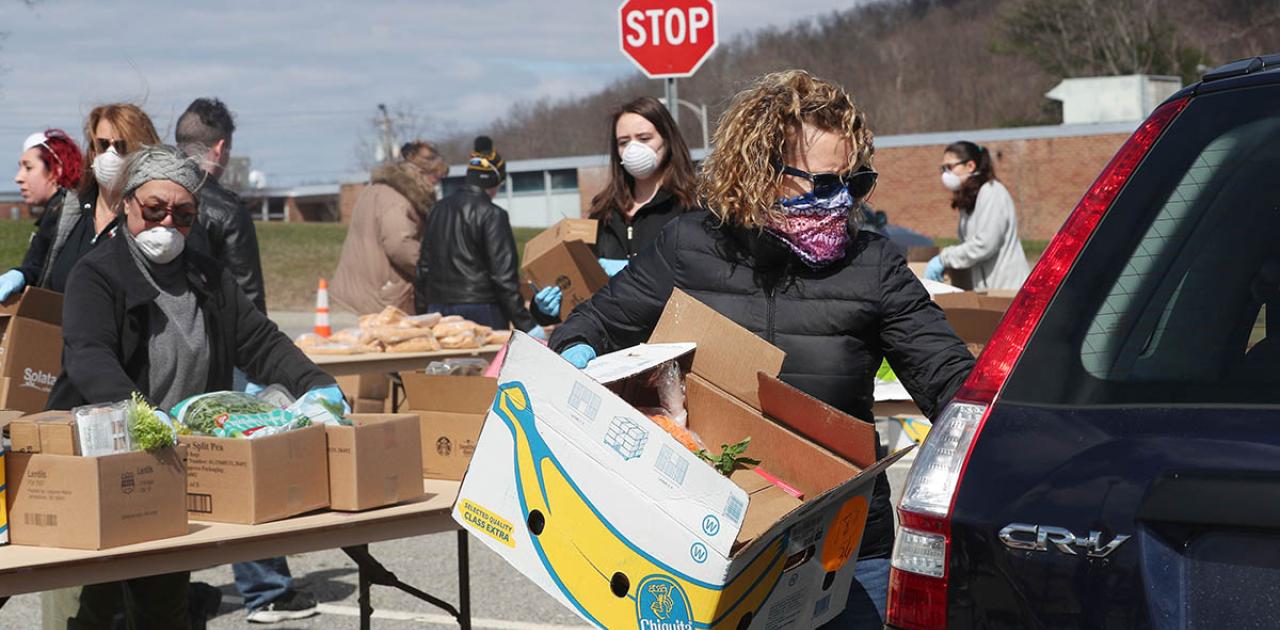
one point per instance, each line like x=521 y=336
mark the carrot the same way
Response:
x=681 y=434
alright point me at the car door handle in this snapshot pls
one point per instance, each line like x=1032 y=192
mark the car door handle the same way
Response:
x=1222 y=498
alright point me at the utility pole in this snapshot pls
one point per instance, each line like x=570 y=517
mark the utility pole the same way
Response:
x=388 y=149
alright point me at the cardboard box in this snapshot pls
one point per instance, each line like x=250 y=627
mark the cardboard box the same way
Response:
x=375 y=462
x=451 y=410
x=250 y=481
x=96 y=502
x=4 y=508
x=585 y=496
x=49 y=432
x=368 y=386
x=561 y=255
x=974 y=315
x=30 y=343
x=369 y=405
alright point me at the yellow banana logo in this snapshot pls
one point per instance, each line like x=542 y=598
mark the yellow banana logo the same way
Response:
x=607 y=578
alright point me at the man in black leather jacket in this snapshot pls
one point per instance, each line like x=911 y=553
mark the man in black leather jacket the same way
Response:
x=468 y=264
x=225 y=228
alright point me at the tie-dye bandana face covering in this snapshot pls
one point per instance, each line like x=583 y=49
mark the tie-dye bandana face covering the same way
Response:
x=815 y=228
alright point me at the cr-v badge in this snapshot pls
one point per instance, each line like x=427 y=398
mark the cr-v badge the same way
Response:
x=1039 y=537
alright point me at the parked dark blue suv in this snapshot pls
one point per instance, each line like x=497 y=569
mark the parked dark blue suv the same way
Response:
x=1113 y=460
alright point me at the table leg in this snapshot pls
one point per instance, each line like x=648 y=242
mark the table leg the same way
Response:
x=464 y=582
x=365 y=582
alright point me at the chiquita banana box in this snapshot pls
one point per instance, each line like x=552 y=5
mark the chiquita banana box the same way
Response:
x=585 y=495
x=4 y=498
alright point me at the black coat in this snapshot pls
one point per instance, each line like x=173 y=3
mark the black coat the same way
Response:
x=105 y=331
x=40 y=266
x=620 y=239
x=469 y=257
x=835 y=324
x=225 y=232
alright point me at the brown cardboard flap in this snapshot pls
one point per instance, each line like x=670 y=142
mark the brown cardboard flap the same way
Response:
x=564 y=231
x=35 y=303
x=827 y=426
x=457 y=394
x=720 y=419
x=768 y=505
x=728 y=355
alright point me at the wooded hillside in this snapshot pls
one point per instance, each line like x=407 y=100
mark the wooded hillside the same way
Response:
x=926 y=65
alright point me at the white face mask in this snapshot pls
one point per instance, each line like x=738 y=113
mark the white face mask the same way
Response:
x=161 y=244
x=639 y=159
x=952 y=181
x=106 y=168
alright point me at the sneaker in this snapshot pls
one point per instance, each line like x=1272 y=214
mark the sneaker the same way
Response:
x=292 y=605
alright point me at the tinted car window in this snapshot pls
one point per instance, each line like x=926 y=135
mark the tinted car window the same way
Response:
x=1168 y=302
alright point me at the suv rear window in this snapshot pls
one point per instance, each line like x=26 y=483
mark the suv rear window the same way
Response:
x=1176 y=297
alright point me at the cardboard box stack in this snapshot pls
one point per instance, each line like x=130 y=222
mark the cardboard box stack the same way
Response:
x=561 y=255
x=30 y=333
x=59 y=498
x=611 y=515
x=375 y=462
x=451 y=410
x=236 y=480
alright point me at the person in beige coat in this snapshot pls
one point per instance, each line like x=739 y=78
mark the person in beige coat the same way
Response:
x=380 y=255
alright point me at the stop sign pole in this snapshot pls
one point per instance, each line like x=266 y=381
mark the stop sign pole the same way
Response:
x=668 y=39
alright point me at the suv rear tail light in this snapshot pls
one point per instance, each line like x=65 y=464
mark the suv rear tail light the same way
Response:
x=919 y=568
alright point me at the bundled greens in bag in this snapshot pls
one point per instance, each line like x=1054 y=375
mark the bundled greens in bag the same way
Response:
x=234 y=414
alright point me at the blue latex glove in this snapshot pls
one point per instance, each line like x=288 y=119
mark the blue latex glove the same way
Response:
x=538 y=332
x=253 y=389
x=579 y=355
x=548 y=300
x=11 y=282
x=333 y=395
x=612 y=265
x=934 y=270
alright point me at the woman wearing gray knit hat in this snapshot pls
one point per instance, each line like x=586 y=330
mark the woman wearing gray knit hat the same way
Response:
x=144 y=314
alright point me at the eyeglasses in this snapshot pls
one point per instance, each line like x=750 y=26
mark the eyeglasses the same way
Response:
x=948 y=166
x=122 y=146
x=859 y=183
x=156 y=214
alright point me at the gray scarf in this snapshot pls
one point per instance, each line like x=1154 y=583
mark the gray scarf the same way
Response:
x=177 y=345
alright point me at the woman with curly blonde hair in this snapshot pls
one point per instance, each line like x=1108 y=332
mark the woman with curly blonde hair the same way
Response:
x=778 y=253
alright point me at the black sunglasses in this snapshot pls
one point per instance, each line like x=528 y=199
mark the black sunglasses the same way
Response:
x=156 y=214
x=122 y=147
x=859 y=183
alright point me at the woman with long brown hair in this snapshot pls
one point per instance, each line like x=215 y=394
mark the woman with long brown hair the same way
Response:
x=777 y=253
x=651 y=182
x=87 y=216
x=989 y=249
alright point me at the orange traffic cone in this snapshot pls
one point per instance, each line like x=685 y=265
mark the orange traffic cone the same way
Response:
x=322 y=310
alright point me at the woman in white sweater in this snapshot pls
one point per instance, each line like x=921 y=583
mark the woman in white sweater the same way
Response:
x=989 y=247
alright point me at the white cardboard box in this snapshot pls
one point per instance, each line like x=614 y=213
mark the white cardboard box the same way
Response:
x=585 y=496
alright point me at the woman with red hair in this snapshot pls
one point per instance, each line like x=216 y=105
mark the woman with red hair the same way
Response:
x=49 y=166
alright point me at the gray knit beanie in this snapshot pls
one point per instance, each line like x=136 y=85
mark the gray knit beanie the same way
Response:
x=161 y=161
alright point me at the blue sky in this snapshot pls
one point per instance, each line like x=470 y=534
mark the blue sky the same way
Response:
x=304 y=78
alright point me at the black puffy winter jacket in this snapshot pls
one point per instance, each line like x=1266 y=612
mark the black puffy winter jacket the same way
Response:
x=621 y=239
x=835 y=324
x=469 y=257
x=225 y=232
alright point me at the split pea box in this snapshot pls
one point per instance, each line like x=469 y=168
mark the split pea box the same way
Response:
x=96 y=502
x=251 y=481
x=375 y=462
x=30 y=338
x=561 y=256
x=579 y=491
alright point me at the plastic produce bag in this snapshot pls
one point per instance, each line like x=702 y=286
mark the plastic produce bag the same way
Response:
x=103 y=429
x=234 y=414
x=458 y=367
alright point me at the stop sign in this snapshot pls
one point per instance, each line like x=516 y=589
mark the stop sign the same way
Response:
x=667 y=38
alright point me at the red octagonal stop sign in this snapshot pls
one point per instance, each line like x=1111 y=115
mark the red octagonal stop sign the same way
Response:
x=667 y=38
